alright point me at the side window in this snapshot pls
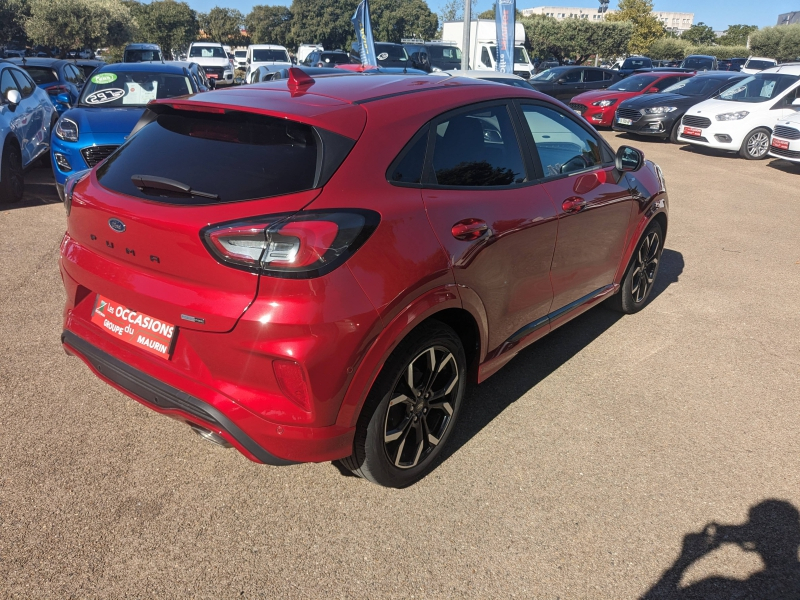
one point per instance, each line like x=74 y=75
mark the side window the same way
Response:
x=478 y=148
x=24 y=83
x=69 y=74
x=7 y=83
x=409 y=168
x=608 y=76
x=485 y=57
x=665 y=83
x=592 y=76
x=78 y=74
x=573 y=76
x=563 y=145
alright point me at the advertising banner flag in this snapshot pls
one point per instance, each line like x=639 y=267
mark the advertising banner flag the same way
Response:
x=364 y=34
x=505 y=13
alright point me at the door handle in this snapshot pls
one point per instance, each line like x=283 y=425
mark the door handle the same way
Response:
x=469 y=229
x=573 y=205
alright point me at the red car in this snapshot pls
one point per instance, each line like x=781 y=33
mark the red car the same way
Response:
x=598 y=106
x=385 y=240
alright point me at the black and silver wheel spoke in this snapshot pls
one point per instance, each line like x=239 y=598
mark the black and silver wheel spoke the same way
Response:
x=421 y=408
x=644 y=271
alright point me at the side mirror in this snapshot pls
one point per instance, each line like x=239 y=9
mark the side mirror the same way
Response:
x=248 y=60
x=63 y=99
x=796 y=102
x=629 y=159
x=13 y=97
x=653 y=90
x=561 y=81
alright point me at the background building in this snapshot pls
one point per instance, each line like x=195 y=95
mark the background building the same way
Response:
x=789 y=18
x=672 y=21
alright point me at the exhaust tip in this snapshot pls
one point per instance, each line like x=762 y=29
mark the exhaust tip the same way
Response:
x=212 y=437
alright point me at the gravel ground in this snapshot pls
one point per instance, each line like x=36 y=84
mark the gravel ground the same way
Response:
x=577 y=471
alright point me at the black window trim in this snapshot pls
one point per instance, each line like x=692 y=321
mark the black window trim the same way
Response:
x=423 y=131
x=20 y=79
x=607 y=160
x=428 y=176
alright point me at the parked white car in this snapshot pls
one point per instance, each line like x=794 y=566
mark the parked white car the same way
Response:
x=742 y=117
x=272 y=56
x=214 y=60
x=755 y=64
x=303 y=50
x=785 y=141
x=240 y=58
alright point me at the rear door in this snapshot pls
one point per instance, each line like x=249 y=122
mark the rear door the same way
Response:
x=497 y=225
x=593 y=80
x=593 y=203
x=571 y=86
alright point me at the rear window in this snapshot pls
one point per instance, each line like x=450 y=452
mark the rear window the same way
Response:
x=267 y=55
x=133 y=56
x=207 y=52
x=335 y=58
x=127 y=88
x=234 y=156
x=759 y=64
x=42 y=75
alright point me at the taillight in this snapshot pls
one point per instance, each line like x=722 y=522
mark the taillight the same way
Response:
x=58 y=89
x=297 y=246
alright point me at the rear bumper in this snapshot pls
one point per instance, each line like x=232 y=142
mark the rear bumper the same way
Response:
x=164 y=398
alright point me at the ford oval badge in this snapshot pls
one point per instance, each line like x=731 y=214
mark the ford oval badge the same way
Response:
x=116 y=225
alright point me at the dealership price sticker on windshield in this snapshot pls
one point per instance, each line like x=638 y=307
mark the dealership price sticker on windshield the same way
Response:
x=135 y=328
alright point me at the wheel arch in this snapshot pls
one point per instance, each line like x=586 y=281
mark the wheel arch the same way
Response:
x=12 y=139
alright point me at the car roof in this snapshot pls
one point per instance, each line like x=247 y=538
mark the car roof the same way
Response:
x=148 y=66
x=721 y=74
x=788 y=69
x=143 y=47
x=477 y=74
x=761 y=58
x=700 y=56
x=39 y=62
x=267 y=47
x=206 y=44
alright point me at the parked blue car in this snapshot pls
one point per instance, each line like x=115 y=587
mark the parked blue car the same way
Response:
x=26 y=119
x=61 y=79
x=112 y=101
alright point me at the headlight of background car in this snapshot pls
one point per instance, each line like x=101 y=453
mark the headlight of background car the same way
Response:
x=732 y=116
x=660 y=110
x=604 y=103
x=67 y=130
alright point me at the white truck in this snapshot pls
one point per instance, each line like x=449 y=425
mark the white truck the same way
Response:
x=483 y=45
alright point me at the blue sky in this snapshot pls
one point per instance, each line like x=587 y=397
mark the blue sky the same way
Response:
x=716 y=13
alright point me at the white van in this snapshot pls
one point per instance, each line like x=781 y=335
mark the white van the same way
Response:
x=272 y=56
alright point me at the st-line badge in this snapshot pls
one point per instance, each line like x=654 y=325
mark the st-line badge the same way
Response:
x=135 y=328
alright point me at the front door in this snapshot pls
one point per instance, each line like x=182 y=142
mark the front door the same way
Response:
x=497 y=225
x=593 y=202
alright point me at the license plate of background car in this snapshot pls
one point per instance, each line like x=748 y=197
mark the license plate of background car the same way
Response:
x=135 y=328
x=692 y=131
x=780 y=144
x=624 y=121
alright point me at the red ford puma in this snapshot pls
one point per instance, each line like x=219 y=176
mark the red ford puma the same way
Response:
x=386 y=238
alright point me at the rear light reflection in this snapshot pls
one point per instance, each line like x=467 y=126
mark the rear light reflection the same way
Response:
x=292 y=382
x=299 y=246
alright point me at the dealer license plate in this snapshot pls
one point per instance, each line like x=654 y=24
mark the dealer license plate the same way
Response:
x=212 y=75
x=135 y=328
x=692 y=131
x=780 y=144
x=622 y=121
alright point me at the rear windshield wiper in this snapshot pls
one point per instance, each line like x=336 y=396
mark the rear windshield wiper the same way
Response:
x=145 y=182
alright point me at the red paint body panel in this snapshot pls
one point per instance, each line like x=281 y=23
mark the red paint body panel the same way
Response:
x=341 y=326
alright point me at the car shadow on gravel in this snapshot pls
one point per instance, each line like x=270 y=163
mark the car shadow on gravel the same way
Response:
x=538 y=361
x=772 y=531
x=705 y=151
x=786 y=166
x=40 y=189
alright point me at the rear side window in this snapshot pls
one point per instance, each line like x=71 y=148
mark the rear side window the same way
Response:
x=409 y=166
x=478 y=148
x=234 y=156
x=589 y=75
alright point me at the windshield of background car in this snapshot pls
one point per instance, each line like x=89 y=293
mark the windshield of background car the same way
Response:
x=41 y=75
x=759 y=64
x=240 y=53
x=207 y=52
x=390 y=52
x=444 y=53
x=269 y=156
x=698 y=63
x=108 y=89
x=334 y=58
x=265 y=55
x=520 y=55
x=759 y=88
x=635 y=83
x=636 y=63
x=142 y=55
x=694 y=86
x=549 y=75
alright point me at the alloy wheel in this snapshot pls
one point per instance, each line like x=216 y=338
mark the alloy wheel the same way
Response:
x=758 y=144
x=421 y=407
x=644 y=270
x=16 y=179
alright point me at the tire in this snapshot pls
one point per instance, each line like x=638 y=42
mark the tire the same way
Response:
x=756 y=144
x=12 y=179
x=673 y=134
x=637 y=284
x=417 y=426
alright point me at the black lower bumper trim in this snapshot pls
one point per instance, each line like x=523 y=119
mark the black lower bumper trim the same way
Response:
x=161 y=395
